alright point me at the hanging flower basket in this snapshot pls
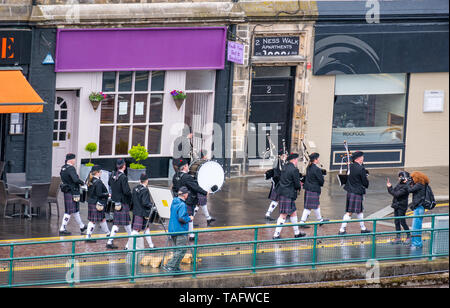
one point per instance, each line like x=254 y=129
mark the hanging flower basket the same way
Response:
x=96 y=98
x=178 y=98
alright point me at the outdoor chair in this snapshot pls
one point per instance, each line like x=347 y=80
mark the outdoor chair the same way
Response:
x=13 y=180
x=53 y=194
x=38 y=197
x=7 y=199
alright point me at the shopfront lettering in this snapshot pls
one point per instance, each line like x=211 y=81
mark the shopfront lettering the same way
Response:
x=277 y=46
x=355 y=133
x=6 y=47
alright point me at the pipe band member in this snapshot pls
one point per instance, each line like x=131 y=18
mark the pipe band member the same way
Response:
x=274 y=175
x=417 y=186
x=141 y=209
x=97 y=198
x=70 y=187
x=314 y=180
x=183 y=178
x=120 y=197
x=356 y=186
x=287 y=194
x=400 y=195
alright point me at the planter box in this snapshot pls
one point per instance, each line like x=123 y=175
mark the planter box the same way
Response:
x=135 y=174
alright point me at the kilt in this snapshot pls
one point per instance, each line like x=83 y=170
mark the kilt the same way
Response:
x=190 y=210
x=93 y=214
x=287 y=205
x=312 y=200
x=70 y=206
x=139 y=223
x=122 y=217
x=354 y=203
x=202 y=199
x=273 y=194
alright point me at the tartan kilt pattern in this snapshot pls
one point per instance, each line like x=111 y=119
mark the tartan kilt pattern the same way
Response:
x=273 y=194
x=139 y=223
x=202 y=199
x=93 y=214
x=354 y=203
x=70 y=206
x=190 y=210
x=287 y=205
x=122 y=217
x=312 y=200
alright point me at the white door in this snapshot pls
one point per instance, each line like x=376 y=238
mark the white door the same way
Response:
x=62 y=128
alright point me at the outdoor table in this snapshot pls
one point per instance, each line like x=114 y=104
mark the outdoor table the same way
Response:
x=19 y=187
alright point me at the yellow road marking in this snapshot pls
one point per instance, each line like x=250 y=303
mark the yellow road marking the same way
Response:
x=410 y=213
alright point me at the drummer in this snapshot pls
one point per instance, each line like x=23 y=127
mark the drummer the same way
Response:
x=203 y=199
x=183 y=178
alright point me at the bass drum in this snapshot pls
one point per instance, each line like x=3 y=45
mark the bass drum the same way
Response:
x=209 y=174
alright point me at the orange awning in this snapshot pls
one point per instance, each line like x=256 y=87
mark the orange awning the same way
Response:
x=17 y=95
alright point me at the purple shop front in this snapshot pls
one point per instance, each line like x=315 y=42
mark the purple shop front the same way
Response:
x=96 y=50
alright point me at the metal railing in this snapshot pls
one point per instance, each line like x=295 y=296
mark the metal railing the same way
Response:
x=247 y=255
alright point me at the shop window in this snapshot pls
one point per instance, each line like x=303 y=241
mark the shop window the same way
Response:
x=369 y=109
x=200 y=80
x=128 y=115
x=16 y=124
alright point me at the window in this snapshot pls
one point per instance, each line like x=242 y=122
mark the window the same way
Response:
x=16 y=124
x=369 y=109
x=131 y=114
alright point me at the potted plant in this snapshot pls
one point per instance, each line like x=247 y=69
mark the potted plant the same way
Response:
x=96 y=98
x=178 y=97
x=138 y=153
x=86 y=168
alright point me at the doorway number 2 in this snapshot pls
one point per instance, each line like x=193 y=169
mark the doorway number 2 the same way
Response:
x=269 y=90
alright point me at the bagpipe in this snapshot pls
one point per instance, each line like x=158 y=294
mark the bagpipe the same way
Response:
x=306 y=158
x=342 y=178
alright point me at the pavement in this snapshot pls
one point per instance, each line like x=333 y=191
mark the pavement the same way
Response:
x=242 y=202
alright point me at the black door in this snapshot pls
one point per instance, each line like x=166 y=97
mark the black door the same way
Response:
x=270 y=115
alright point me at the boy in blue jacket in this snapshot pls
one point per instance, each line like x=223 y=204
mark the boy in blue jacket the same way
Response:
x=179 y=222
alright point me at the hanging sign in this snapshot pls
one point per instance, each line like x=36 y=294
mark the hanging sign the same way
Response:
x=235 y=52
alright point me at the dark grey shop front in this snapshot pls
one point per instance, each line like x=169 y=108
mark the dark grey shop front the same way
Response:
x=29 y=148
x=372 y=63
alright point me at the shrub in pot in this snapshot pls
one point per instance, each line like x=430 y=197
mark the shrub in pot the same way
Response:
x=138 y=153
x=86 y=168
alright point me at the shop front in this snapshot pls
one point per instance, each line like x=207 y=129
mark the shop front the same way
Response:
x=136 y=69
x=362 y=92
x=20 y=104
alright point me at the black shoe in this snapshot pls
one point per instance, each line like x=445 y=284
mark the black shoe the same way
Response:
x=276 y=237
x=191 y=239
x=269 y=218
x=304 y=226
x=90 y=240
x=111 y=246
x=64 y=233
x=83 y=229
x=365 y=231
x=323 y=220
x=209 y=221
x=301 y=234
x=342 y=233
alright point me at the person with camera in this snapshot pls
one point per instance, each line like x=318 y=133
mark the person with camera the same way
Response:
x=417 y=186
x=314 y=180
x=400 y=195
x=70 y=187
x=178 y=222
x=121 y=197
x=97 y=198
x=141 y=209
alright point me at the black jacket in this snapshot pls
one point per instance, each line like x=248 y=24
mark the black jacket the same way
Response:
x=400 y=193
x=314 y=179
x=70 y=180
x=97 y=192
x=418 y=191
x=289 y=182
x=185 y=179
x=357 y=181
x=141 y=201
x=274 y=175
x=120 y=190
